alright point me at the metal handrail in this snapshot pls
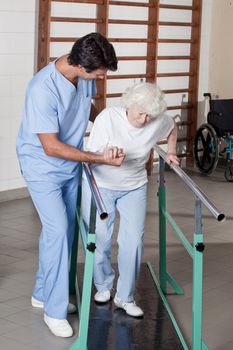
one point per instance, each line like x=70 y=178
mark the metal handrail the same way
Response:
x=95 y=192
x=193 y=187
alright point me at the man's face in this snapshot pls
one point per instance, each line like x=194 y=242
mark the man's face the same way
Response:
x=96 y=74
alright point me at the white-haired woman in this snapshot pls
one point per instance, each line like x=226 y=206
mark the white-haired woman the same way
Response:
x=133 y=128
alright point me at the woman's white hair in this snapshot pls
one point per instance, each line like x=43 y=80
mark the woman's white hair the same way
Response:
x=147 y=96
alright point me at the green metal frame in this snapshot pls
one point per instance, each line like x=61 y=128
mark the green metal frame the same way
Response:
x=88 y=242
x=196 y=253
x=229 y=148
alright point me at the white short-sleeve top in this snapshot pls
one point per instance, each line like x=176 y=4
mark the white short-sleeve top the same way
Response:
x=112 y=128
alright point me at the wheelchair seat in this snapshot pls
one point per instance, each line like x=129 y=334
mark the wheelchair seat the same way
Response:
x=220 y=116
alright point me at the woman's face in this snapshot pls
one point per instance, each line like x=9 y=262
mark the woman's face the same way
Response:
x=137 y=117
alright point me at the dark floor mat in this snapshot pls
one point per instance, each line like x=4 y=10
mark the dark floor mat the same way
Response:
x=111 y=329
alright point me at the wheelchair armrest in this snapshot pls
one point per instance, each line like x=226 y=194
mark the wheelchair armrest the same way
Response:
x=207 y=94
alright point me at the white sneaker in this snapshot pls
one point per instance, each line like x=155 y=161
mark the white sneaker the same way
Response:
x=60 y=328
x=102 y=297
x=130 y=308
x=37 y=303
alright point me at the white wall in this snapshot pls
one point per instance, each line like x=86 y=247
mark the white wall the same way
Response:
x=17 y=35
x=221 y=49
x=204 y=69
x=216 y=70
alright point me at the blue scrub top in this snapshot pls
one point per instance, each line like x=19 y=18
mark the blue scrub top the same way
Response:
x=53 y=105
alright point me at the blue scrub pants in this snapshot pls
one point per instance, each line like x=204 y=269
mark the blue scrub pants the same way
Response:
x=131 y=206
x=56 y=205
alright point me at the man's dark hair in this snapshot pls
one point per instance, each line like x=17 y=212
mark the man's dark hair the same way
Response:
x=93 y=51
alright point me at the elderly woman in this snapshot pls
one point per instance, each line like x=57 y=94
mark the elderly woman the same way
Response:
x=133 y=129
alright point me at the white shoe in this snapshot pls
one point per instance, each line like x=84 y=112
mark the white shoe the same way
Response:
x=60 y=328
x=102 y=297
x=37 y=303
x=130 y=308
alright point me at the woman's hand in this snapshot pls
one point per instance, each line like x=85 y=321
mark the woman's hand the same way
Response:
x=172 y=159
x=113 y=155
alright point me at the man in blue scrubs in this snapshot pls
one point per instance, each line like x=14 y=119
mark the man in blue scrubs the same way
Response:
x=50 y=148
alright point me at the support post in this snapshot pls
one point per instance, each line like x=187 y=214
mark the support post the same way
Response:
x=81 y=341
x=198 y=248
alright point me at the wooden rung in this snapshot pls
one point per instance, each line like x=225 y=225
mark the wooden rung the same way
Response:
x=176 y=41
x=135 y=58
x=97 y=97
x=127 y=21
x=176 y=58
x=62 y=40
x=186 y=106
x=128 y=3
x=97 y=2
x=177 y=7
x=177 y=91
x=74 y=19
x=178 y=24
x=114 y=95
x=130 y=40
x=180 y=74
x=184 y=139
x=181 y=139
x=184 y=123
x=183 y=155
x=160 y=75
x=130 y=76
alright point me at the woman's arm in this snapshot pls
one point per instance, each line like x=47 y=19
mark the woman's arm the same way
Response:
x=171 y=152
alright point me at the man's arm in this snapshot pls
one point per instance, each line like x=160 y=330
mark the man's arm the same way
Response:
x=53 y=147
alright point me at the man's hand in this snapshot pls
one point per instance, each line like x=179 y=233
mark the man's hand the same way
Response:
x=172 y=159
x=114 y=155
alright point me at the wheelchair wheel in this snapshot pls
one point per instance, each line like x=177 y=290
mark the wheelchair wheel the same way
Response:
x=229 y=173
x=206 y=149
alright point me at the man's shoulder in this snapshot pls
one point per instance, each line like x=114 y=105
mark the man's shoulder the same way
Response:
x=42 y=77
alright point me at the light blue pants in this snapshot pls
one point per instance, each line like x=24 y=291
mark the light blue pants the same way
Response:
x=55 y=204
x=131 y=206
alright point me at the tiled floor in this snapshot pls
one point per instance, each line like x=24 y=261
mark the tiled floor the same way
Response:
x=22 y=327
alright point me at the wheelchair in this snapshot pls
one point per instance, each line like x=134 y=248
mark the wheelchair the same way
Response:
x=212 y=136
